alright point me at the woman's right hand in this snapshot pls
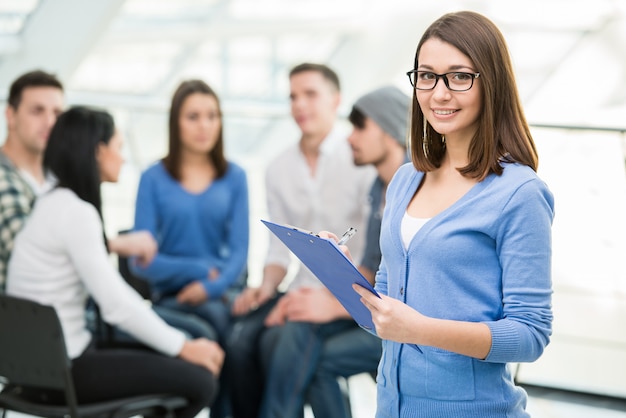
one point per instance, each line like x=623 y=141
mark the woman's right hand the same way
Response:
x=330 y=235
x=205 y=353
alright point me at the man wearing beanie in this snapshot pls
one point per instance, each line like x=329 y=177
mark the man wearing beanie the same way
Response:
x=380 y=120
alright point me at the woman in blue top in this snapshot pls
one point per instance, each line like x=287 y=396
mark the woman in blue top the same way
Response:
x=195 y=203
x=466 y=237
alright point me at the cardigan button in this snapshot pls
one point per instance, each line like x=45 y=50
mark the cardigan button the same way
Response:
x=402 y=290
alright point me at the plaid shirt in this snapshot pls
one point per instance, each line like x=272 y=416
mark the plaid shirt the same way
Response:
x=16 y=202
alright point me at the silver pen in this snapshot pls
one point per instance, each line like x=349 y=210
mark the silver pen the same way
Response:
x=346 y=236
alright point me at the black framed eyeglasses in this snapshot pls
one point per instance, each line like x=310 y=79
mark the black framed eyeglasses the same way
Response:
x=454 y=81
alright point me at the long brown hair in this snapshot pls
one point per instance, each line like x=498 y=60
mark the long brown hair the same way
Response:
x=503 y=133
x=172 y=160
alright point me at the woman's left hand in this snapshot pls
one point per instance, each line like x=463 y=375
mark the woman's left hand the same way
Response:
x=394 y=320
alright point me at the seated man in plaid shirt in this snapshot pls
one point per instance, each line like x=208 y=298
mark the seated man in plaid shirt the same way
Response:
x=35 y=100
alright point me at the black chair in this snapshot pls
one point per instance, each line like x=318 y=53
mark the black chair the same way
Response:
x=142 y=286
x=33 y=354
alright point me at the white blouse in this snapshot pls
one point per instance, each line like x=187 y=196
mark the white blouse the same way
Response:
x=59 y=259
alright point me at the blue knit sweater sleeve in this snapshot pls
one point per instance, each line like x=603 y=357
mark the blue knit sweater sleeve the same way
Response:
x=524 y=249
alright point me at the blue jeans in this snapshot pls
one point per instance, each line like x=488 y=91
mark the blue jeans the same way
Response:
x=215 y=312
x=346 y=354
x=191 y=325
x=307 y=358
x=248 y=353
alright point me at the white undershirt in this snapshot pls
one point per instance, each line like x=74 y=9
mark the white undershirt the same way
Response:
x=409 y=227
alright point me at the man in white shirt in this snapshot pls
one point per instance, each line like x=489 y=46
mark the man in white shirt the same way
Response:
x=312 y=185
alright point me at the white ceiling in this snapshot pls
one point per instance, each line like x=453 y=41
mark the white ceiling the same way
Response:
x=128 y=55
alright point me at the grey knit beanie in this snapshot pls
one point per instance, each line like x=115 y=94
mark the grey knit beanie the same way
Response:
x=389 y=108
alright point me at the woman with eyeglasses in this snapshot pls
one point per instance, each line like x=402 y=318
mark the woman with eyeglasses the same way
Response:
x=466 y=237
x=60 y=258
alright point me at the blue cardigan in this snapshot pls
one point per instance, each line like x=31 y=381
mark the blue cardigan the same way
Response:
x=195 y=232
x=484 y=259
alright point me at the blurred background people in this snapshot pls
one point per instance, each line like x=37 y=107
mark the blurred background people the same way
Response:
x=313 y=185
x=35 y=101
x=60 y=258
x=195 y=203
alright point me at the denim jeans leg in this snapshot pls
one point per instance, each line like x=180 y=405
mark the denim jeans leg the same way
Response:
x=215 y=312
x=243 y=363
x=346 y=354
x=192 y=325
x=294 y=363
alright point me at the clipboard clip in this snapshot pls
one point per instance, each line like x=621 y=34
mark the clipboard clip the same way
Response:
x=295 y=228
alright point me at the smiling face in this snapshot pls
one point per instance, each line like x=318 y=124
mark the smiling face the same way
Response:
x=199 y=123
x=450 y=113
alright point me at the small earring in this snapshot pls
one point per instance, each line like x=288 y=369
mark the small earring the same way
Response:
x=425 y=137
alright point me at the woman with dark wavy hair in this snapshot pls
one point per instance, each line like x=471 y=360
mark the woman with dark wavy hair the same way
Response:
x=465 y=277
x=60 y=258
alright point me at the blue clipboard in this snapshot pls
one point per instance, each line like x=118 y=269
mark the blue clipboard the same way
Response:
x=326 y=261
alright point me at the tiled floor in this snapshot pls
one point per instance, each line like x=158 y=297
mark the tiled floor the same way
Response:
x=551 y=403
x=542 y=402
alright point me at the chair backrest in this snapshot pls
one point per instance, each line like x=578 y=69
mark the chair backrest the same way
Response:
x=140 y=285
x=32 y=348
x=33 y=353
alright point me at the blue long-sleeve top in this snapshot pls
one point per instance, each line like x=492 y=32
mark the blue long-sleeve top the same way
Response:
x=196 y=232
x=486 y=258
